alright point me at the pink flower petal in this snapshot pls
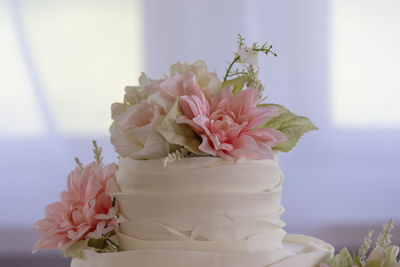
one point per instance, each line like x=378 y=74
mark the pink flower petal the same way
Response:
x=49 y=242
x=205 y=146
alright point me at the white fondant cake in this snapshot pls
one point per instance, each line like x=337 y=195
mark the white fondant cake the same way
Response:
x=204 y=211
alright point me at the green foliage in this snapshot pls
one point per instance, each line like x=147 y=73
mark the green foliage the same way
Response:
x=179 y=133
x=373 y=263
x=237 y=83
x=104 y=243
x=291 y=125
x=379 y=257
x=357 y=260
x=343 y=259
x=75 y=250
x=100 y=243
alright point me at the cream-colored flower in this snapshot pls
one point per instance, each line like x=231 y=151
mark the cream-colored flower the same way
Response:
x=134 y=132
x=207 y=81
x=386 y=257
x=147 y=87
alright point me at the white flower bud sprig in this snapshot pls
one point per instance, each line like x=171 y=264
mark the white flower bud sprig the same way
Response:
x=248 y=57
x=384 y=237
x=175 y=156
x=79 y=163
x=363 y=251
x=97 y=153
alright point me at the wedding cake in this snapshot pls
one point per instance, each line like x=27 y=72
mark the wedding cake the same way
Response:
x=198 y=181
x=204 y=211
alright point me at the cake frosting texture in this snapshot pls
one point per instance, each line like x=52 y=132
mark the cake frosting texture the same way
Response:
x=204 y=211
x=202 y=204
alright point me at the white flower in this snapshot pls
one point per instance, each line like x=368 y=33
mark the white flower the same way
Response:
x=376 y=254
x=248 y=56
x=134 y=132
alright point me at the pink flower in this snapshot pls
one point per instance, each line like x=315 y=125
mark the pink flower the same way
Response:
x=85 y=209
x=227 y=124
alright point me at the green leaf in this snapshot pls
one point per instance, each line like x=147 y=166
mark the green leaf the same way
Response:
x=100 y=243
x=237 y=83
x=76 y=250
x=289 y=124
x=179 y=133
x=373 y=263
x=343 y=259
x=356 y=260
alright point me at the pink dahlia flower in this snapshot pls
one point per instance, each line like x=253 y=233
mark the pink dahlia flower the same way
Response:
x=85 y=209
x=227 y=124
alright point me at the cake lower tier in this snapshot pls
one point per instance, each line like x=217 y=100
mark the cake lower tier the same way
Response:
x=298 y=250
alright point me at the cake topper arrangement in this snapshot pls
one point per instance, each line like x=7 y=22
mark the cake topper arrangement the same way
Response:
x=191 y=112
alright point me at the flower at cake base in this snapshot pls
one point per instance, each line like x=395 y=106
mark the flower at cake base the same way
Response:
x=227 y=124
x=134 y=131
x=85 y=210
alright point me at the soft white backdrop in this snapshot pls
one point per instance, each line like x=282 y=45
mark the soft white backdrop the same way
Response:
x=64 y=62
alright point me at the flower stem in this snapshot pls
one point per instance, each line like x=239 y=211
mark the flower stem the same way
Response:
x=236 y=59
x=79 y=163
x=112 y=243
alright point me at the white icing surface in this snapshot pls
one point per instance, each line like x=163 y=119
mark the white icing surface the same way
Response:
x=205 y=174
x=185 y=211
x=201 y=212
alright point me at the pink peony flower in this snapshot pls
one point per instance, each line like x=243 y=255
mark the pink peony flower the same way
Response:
x=85 y=209
x=227 y=123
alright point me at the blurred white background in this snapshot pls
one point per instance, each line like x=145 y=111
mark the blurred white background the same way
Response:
x=62 y=64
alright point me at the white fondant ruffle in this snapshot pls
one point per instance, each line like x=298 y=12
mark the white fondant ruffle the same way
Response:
x=270 y=243
x=200 y=174
x=148 y=230
x=299 y=251
x=185 y=211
